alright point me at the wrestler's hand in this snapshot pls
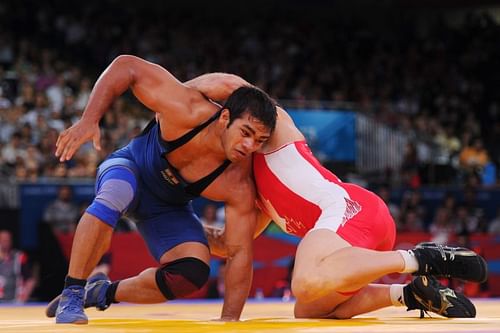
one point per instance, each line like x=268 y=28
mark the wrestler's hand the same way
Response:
x=72 y=138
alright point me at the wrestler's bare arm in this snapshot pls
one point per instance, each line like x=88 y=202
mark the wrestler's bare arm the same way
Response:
x=217 y=86
x=238 y=241
x=153 y=85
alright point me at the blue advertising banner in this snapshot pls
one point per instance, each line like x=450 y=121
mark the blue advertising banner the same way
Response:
x=34 y=198
x=330 y=134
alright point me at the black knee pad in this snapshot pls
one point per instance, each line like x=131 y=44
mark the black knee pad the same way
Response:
x=181 y=277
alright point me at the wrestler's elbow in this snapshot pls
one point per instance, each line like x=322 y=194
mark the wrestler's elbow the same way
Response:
x=125 y=59
x=130 y=65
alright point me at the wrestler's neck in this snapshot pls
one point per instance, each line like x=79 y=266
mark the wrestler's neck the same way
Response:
x=210 y=142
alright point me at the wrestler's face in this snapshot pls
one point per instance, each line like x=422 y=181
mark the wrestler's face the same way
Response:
x=243 y=136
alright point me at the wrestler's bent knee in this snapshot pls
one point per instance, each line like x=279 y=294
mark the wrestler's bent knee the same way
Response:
x=306 y=288
x=181 y=277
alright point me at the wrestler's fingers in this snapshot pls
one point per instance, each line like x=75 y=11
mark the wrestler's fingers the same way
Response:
x=75 y=144
x=62 y=157
x=68 y=150
x=62 y=142
x=59 y=137
x=67 y=155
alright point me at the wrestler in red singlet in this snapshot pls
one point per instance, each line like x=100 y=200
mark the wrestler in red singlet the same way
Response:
x=300 y=195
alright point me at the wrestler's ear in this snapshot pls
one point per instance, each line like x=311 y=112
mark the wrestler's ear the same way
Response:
x=225 y=117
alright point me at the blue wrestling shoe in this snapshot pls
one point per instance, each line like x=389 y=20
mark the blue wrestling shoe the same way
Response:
x=51 y=309
x=70 y=309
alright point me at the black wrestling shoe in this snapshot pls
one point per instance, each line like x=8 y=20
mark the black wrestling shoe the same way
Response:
x=450 y=262
x=427 y=294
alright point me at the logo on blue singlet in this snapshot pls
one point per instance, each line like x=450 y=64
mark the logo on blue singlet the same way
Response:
x=169 y=177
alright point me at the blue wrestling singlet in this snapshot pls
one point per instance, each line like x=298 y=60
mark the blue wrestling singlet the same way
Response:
x=160 y=199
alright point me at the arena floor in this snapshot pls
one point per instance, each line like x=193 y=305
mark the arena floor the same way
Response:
x=184 y=317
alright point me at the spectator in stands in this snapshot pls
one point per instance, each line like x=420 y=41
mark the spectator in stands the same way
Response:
x=384 y=193
x=8 y=122
x=16 y=275
x=13 y=151
x=494 y=225
x=32 y=159
x=447 y=149
x=412 y=222
x=62 y=214
x=441 y=228
x=412 y=201
x=449 y=202
x=4 y=102
x=27 y=97
x=55 y=93
x=464 y=221
x=58 y=170
x=474 y=157
x=83 y=94
x=410 y=176
x=209 y=216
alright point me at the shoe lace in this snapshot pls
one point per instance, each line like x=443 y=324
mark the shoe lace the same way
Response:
x=451 y=251
x=423 y=313
x=75 y=301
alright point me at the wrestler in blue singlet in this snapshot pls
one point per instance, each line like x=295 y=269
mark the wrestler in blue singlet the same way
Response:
x=139 y=181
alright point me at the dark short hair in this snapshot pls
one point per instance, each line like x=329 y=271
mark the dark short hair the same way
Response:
x=253 y=101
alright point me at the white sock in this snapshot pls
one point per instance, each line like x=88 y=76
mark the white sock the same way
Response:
x=396 y=292
x=411 y=263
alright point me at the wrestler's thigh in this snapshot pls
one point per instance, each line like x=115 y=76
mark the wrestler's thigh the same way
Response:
x=174 y=233
x=314 y=247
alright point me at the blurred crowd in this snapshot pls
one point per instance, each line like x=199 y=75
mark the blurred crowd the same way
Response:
x=453 y=216
x=435 y=82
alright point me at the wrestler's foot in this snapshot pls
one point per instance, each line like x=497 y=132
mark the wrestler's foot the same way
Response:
x=427 y=294
x=446 y=261
x=51 y=309
x=95 y=294
x=70 y=306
